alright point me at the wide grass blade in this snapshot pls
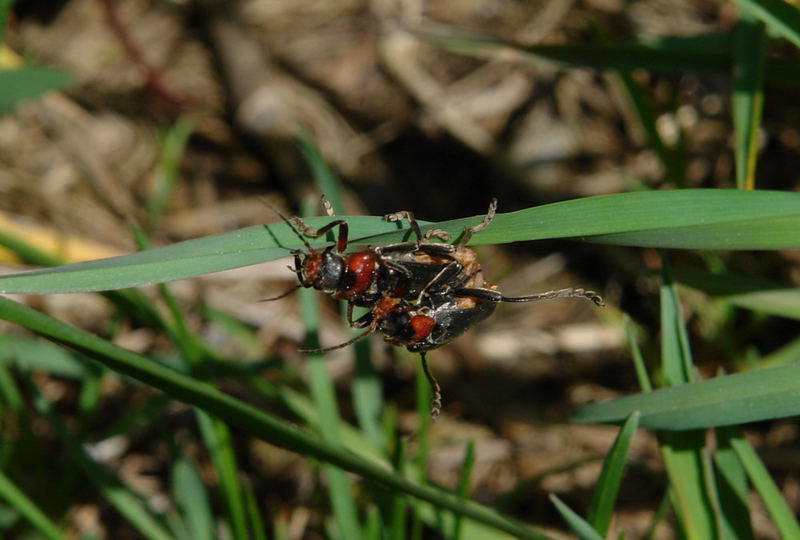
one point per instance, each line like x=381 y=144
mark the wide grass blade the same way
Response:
x=771 y=496
x=20 y=502
x=723 y=401
x=254 y=421
x=689 y=219
x=605 y=492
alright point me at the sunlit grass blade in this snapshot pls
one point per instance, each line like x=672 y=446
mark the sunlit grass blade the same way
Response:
x=749 y=60
x=20 y=502
x=722 y=401
x=605 y=491
x=189 y=493
x=782 y=17
x=771 y=496
x=579 y=526
x=113 y=490
x=696 y=219
x=256 y=422
x=732 y=487
x=746 y=292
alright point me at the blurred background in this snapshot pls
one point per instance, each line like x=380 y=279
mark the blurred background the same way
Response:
x=179 y=115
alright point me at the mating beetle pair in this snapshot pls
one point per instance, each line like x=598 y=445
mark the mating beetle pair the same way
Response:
x=420 y=294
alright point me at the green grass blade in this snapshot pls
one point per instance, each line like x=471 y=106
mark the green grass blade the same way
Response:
x=118 y=495
x=253 y=512
x=676 y=357
x=250 y=419
x=191 y=497
x=672 y=158
x=28 y=354
x=28 y=509
x=723 y=401
x=732 y=487
x=28 y=82
x=173 y=145
x=324 y=397
x=636 y=356
x=463 y=486
x=580 y=526
x=695 y=219
x=605 y=492
x=5 y=8
x=747 y=292
x=771 y=496
x=218 y=440
x=749 y=62
x=782 y=17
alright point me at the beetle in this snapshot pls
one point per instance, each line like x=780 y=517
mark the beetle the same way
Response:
x=406 y=270
x=437 y=319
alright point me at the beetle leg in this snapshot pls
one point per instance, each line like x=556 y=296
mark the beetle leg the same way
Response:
x=480 y=226
x=362 y=322
x=436 y=391
x=494 y=296
x=436 y=233
x=399 y=216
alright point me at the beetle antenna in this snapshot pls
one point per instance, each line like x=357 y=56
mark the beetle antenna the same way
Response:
x=340 y=345
x=288 y=222
x=282 y=295
x=561 y=293
x=436 y=391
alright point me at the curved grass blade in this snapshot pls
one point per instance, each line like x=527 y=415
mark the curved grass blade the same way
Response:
x=723 y=401
x=605 y=492
x=28 y=509
x=782 y=17
x=689 y=219
x=254 y=421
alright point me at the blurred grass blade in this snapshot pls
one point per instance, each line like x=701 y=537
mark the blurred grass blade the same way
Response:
x=28 y=509
x=676 y=357
x=173 y=145
x=218 y=442
x=579 y=526
x=128 y=504
x=27 y=354
x=732 y=487
x=636 y=356
x=771 y=496
x=325 y=179
x=605 y=492
x=749 y=60
x=723 y=401
x=28 y=82
x=788 y=354
x=256 y=422
x=694 y=219
x=671 y=157
x=704 y=53
x=253 y=512
x=746 y=292
x=782 y=17
x=324 y=397
x=191 y=497
x=462 y=490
